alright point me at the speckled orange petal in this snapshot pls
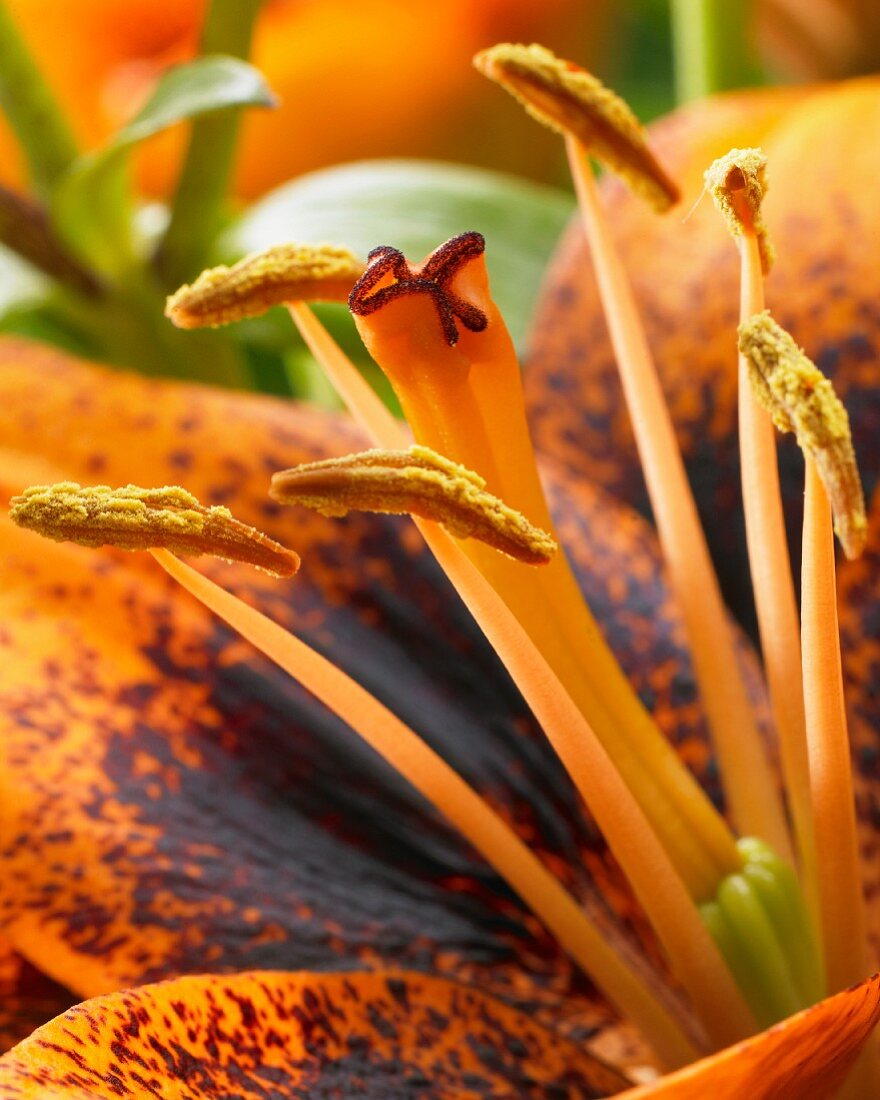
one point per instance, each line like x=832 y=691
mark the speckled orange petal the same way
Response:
x=261 y=1034
x=807 y=1055
x=859 y=612
x=197 y=811
x=27 y=997
x=823 y=218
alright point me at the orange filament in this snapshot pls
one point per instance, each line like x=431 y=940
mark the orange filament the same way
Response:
x=657 y=885
x=843 y=920
x=465 y=400
x=748 y=778
x=448 y=792
x=772 y=582
x=632 y=837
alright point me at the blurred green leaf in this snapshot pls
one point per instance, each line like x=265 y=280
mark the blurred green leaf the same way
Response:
x=416 y=205
x=186 y=91
x=91 y=203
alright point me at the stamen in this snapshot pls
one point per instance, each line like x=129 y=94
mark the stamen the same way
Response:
x=800 y=399
x=565 y=97
x=769 y=559
x=748 y=777
x=289 y=272
x=737 y=183
x=419 y=482
x=433 y=279
x=141 y=519
x=461 y=804
x=843 y=918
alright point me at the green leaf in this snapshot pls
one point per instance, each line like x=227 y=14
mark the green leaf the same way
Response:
x=415 y=205
x=186 y=91
x=92 y=205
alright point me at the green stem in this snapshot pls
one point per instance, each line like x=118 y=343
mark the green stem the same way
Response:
x=197 y=209
x=36 y=118
x=711 y=47
x=127 y=328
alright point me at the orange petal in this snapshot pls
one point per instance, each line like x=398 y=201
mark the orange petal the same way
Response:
x=262 y=1034
x=858 y=604
x=164 y=720
x=149 y=725
x=807 y=1055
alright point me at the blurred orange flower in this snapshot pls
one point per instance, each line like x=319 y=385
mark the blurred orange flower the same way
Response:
x=355 y=78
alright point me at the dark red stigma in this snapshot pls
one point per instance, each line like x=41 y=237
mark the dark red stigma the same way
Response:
x=433 y=279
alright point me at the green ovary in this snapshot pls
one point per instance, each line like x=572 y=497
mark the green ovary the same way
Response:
x=761 y=924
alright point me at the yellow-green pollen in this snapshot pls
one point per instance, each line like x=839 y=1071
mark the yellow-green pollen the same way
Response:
x=737 y=183
x=417 y=481
x=132 y=518
x=570 y=100
x=285 y=273
x=800 y=399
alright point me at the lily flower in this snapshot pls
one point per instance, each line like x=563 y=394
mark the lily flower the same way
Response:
x=181 y=804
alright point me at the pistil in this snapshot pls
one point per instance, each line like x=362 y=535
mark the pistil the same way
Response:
x=465 y=400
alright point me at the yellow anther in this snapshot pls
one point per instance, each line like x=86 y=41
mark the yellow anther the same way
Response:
x=800 y=399
x=738 y=183
x=419 y=482
x=145 y=519
x=286 y=273
x=572 y=101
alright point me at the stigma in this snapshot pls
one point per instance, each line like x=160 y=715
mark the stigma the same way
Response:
x=389 y=277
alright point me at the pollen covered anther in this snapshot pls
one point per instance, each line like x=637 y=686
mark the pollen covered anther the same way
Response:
x=737 y=183
x=800 y=399
x=132 y=518
x=285 y=273
x=568 y=99
x=419 y=482
x=433 y=279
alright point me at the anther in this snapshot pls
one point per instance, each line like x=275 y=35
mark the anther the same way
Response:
x=800 y=399
x=737 y=183
x=568 y=99
x=373 y=290
x=286 y=273
x=132 y=518
x=417 y=482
